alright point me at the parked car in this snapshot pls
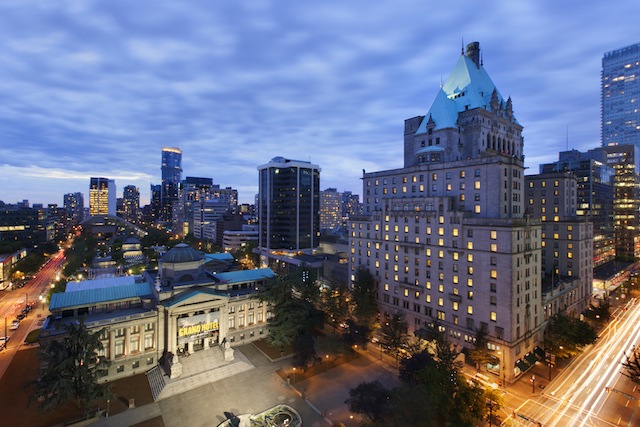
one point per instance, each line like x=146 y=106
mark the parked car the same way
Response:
x=14 y=325
x=21 y=316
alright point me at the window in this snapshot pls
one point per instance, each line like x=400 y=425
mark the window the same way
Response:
x=476 y=185
x=119 y=348
x=493 y=234
x=149 y=360
x=470 y=309
x=494 y=247
x=494 y=274
x=136 y=364
x=120 y=368
x=149 y=341
x=232 y=322
x=494 y=317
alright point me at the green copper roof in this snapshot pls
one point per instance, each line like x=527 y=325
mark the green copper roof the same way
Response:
x=243 y=276
x=88 y=297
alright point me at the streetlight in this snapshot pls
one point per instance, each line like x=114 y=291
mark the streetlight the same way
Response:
x=108 y=402
x=533 y=383
x=326 y=357
x=294 y=375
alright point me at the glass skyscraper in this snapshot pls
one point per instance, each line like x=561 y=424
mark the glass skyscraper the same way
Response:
x=621 y=96
x=171 y=177
x=289 y=205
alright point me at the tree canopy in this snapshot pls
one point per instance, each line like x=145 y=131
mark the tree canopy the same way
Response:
x=565 y=336
x=70 y=369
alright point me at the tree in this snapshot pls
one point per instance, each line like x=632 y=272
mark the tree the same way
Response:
x=365 y=305
x=335 y=303
x=356 y=334
x=481 y=355
x=70 y=369
x=434 y=375
x=370 y=399
x=394 y=334
x=293 y=316
x=565 y=336
x=632 y=366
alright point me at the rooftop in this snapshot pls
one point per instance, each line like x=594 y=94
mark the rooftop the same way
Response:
x=87 y=297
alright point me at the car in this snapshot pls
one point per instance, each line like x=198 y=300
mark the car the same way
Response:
x=20 y=316
x=28 y=308
x=14 y=325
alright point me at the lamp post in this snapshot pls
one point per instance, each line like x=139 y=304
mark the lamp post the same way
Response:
x=294 y=375
x=108 y=402
x=326 y=358
x=533 y=383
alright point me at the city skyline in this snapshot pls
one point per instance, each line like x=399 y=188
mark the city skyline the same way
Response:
x=95 y=89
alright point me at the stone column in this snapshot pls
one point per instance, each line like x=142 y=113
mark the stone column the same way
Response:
x=127 y=337
x=112 y=345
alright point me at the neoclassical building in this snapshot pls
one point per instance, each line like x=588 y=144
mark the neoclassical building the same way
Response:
x=166 y=314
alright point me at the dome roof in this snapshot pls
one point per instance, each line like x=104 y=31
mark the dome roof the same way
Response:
x=182 y=253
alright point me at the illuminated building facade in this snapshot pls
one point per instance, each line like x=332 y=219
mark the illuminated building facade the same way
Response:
x=446 y=237
x=330 y=209
x=131 y=203
x=171 y=177
x=164 y=315
x=288 y=207
x=594 y=192
x=620 y=90
x=102 y=196
x=74 y=207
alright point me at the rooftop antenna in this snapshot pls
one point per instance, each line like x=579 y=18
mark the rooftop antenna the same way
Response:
x=462 y=47
x=481 y=58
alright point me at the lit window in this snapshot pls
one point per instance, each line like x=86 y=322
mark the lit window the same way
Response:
x=494 y=274
x=494 y=247
x=476 y=185
x=493 y=234
x=470 y=309
x=494 y=316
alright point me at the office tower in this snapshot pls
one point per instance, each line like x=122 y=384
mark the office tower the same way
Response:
x=620 y=91
x=594 y=192
x=131 y=203
x=289 y=206
x=102 y=196
x=206 y=216
x=193 y=190
x=171 y=177
x=330 y=209
x=567 y=246
x=74 y=207
x=625 y=160
x=445 y=237
x=155 y=205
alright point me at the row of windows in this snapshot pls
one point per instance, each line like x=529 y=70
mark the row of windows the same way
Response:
x=420 y=178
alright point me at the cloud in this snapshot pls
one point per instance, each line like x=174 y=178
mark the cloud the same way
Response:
x=98 y=88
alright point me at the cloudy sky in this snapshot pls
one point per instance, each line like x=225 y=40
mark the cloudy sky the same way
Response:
x=97 y=88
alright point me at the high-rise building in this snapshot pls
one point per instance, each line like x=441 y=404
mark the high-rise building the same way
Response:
x=594 y=192
x=131 y=203
x=620 y=90
x=330 y=209
x=193 y=191
x=289 y=207
x=102 y=196
x=74 y=207
x=625 y=160
x=567 y=247
x=445 y=237
x=171 y=177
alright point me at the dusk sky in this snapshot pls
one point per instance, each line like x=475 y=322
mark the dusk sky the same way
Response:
x=92 y=88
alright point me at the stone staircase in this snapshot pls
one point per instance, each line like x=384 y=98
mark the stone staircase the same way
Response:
x=156 y=381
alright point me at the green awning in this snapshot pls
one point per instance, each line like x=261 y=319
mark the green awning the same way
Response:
x=522 y=365
x=540 y=353
x=530 y=358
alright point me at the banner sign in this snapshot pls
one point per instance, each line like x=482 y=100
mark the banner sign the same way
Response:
x=197 y=327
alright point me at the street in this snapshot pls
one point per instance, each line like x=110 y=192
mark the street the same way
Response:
x=579 y=395
x=12 y=302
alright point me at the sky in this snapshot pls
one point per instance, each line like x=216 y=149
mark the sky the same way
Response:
x=97 y=88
